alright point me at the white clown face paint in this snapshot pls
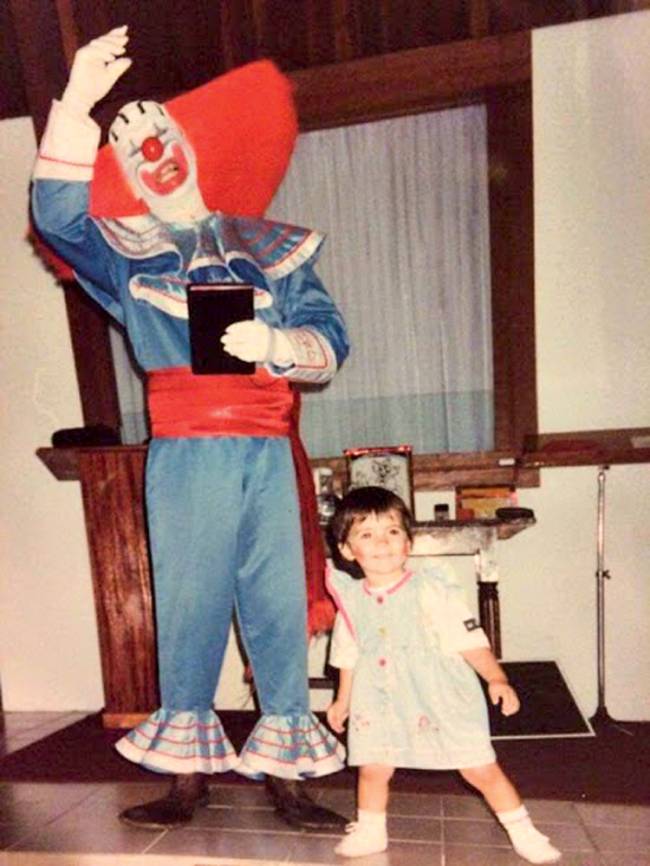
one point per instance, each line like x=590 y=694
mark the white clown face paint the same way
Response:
x=158 y=160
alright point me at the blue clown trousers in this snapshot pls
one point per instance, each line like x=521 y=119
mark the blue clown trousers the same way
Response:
x=225 y=536
x=225 y=531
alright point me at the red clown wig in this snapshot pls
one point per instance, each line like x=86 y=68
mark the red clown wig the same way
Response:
x=242 y=126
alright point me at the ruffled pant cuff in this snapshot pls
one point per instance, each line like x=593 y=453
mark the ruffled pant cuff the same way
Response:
x=179 y=743
x=291 y=747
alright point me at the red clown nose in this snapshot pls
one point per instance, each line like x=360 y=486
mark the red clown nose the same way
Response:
x=152 y=148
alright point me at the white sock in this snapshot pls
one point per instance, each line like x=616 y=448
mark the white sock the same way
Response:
x=374 y=820
x=515 y=819
x=526 y=839
x=366 y=836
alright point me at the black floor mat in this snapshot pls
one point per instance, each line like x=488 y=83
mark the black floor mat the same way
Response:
x=548 y=708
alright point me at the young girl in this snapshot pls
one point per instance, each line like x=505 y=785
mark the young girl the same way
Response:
x=407 y=647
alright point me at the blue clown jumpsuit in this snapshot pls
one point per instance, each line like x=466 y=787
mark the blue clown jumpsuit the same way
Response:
x=222 y=507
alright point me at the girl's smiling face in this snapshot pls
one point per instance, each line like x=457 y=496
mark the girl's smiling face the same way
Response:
x=380 y=545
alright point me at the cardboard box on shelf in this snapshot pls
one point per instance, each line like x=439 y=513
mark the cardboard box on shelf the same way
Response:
x=481 y=503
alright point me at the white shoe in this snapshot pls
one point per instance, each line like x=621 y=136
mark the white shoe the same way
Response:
x=535 y=847
x=361 y=840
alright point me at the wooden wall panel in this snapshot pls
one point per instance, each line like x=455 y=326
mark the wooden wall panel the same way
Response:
x=512 y=255
x=39 y=48
x=111 y=484
x=509 y=15
x=13 y=98
x=91 y=346
x=186 y=42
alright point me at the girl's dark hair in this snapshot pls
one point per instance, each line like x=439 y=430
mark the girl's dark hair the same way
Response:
x=356 y=505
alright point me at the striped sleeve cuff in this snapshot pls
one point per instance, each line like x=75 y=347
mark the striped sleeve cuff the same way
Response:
x=314 y=358
x=68 y=148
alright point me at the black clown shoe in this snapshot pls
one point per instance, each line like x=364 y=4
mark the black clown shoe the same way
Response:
x=293 y=804
x=173 y=810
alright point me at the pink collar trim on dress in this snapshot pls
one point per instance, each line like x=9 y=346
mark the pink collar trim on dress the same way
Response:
x=393 y=587
x=339 y=602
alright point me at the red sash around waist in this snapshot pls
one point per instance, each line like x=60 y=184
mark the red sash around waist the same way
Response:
x=184 y=405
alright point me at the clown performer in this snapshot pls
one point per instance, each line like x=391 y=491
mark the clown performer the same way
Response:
x=220 y=487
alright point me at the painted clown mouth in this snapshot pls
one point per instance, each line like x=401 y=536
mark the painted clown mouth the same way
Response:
x=168 y=175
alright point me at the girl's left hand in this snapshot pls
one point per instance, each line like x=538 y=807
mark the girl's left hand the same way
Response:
x=337 y=714
x=504 y=694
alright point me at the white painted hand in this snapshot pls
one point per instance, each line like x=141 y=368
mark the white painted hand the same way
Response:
x=253 y=340
x=95 y=69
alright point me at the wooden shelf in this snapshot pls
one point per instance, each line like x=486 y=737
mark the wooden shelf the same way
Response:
x=587 y=448
x=63 y=463
x=448 y=471
x=430 y=471
x=505 y=529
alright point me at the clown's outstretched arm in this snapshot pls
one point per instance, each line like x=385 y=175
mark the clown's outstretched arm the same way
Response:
x=313 y=342
x=65 y=161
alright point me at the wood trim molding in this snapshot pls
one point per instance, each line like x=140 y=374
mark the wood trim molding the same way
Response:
x=44 y=69
x=410 y=82
x=67 y=29
x=588 y=447
x=512 y=263
x=91 y=345
x=124 y=721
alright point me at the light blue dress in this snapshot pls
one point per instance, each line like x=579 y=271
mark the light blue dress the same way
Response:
x=415 y=701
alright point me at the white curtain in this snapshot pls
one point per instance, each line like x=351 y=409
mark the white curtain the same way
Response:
x=405 y=207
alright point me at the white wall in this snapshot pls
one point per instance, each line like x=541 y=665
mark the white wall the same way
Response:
x=49 y=657
x=591 y=84
x=591 y=114
x=592 y=200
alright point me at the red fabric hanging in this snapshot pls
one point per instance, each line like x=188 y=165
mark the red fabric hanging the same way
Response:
x=320 y=608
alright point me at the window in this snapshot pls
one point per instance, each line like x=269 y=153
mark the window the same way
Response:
x=404 y=205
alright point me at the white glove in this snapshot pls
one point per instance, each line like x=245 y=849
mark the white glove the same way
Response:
x=95 y=69
x=252 y=340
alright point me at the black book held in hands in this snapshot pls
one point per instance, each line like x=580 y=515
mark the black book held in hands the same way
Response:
x=211 y=308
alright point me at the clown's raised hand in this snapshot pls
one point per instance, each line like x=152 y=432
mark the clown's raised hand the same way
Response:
x=95 y=69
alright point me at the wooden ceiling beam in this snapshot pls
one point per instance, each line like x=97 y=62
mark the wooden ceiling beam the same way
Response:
x=408 y=82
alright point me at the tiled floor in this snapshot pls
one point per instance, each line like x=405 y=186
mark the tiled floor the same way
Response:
x=18 y=730
x=76 y=825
